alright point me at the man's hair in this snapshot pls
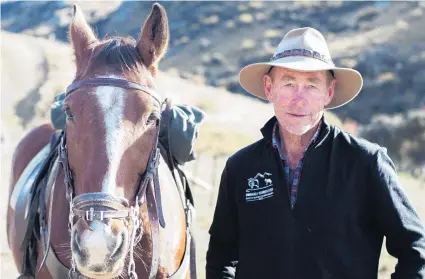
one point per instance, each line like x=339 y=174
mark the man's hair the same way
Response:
x=330 y=76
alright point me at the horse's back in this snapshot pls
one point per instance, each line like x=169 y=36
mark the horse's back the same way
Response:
x=24 y=152
x=28 y=147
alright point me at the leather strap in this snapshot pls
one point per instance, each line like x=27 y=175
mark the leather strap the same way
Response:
x=158 y=200
x=91 y=215
x=112 y=82
x=154 y=225
x=55 y=267
x=45 y=232
x=100 y=199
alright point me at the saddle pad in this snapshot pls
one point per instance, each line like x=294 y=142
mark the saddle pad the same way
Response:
x=21 y=196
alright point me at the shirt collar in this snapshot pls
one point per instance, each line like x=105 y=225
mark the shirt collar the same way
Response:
x=277 y=143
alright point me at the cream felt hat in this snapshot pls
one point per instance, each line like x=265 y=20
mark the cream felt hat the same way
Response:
x=303 y=49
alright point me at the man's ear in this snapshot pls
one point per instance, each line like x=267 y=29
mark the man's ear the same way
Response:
x=267 y=83
x=330 y=92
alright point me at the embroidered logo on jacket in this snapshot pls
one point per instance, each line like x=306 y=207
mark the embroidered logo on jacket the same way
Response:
x=260 y=187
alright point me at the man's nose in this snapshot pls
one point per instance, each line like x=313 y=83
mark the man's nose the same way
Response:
x=299 y=93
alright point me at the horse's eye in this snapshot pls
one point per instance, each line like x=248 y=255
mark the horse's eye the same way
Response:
x=153 y=117
x=69 y=114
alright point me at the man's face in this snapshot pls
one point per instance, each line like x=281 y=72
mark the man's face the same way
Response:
x=298 y=98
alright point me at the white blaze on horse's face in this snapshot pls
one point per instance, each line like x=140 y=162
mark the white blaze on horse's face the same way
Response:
x=102 y=248
x=111 y=101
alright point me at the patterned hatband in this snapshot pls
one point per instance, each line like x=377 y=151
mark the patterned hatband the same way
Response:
x=302 y=52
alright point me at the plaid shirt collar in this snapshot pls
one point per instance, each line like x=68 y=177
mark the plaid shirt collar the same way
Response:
x=277 y=142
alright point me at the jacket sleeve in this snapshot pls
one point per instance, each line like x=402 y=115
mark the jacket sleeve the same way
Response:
x=398 y=220
x=222 y=254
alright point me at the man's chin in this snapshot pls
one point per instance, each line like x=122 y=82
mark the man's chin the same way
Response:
x=297 y=129
x=297 y=132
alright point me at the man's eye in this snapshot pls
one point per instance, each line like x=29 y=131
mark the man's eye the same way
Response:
x=289 y=85
x=312 y=87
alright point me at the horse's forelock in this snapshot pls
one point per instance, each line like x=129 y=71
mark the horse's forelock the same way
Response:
x=118 y=53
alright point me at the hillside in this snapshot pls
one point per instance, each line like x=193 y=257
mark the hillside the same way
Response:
x=209 y=43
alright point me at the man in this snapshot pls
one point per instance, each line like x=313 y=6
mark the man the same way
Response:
x=309 y=200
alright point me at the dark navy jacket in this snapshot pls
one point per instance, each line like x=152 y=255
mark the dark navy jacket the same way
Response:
x=349 y=198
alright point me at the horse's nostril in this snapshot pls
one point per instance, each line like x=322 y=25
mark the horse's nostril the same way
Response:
x=119 y=247
x=77 y=246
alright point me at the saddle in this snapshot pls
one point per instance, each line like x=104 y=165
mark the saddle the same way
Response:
x=30 y=202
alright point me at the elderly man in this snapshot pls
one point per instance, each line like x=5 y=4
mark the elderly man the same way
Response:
x=309 y=200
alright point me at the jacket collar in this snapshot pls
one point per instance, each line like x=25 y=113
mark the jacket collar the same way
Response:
x=325 y=129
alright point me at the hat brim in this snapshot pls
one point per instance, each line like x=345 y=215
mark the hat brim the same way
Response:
x=348 y=85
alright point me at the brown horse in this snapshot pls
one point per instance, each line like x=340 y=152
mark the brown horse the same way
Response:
x=103 y=197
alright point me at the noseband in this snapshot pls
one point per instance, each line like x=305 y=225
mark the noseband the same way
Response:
x=101 y=206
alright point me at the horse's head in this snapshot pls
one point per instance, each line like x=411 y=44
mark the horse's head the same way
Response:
x=110 y=132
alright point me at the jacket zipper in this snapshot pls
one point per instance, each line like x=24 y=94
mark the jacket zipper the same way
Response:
x=285 y=179
x=292 y=248
x=301 y=173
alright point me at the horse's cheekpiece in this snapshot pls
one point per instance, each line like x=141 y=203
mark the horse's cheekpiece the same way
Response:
x=100 y=206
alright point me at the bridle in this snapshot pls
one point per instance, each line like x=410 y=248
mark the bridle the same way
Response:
x=100 y=206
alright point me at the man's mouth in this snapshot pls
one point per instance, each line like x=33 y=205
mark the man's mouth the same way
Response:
x=297 y=115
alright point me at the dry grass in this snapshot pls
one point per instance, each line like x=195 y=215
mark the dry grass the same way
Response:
x=246 y=18
x=272 y=33
x=248 y=44
x=215 y=140
x=211 y=20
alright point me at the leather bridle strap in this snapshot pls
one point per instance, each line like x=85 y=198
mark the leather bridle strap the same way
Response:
x=116 y=82
x=154 y=225
x=149 y=186
x=152 y=175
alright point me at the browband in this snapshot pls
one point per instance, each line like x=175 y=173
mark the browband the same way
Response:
x=112 y=82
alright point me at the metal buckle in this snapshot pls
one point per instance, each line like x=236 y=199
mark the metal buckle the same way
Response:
x=89 y=214
x=189 y=216
x=155 y=161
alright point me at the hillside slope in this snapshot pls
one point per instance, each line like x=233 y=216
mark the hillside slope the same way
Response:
x=211 y=41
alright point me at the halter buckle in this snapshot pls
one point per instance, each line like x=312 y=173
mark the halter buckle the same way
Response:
x=90 y=213
x=189 y=214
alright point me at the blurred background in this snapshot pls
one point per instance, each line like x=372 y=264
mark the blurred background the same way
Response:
x=210 y=43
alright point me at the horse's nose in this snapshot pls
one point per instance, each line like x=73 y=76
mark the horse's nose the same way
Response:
x=93 y=238
x=99 y=242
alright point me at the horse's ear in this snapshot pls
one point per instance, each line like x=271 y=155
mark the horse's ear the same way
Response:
x=153 y=42
x=80 y=35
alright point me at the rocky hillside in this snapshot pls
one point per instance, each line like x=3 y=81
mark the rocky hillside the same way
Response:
x=211 y=41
